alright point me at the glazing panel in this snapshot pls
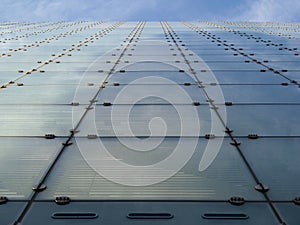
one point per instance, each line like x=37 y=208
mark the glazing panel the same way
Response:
x=274 y=51
x=232 y=66
x=150 y=66
x=185 y=94
x=130 y=76
x=22 y=164
x=22 y=58
x=82 y=66
x=46 y=94
x=258 y=93
x=269 y=120
x=285 y=65
x=283 y=57
x=289 y=212
x=44 y=77
x=222 y=58
x=244 y=77
x=37 y=120
x=9 y=212
x=15 y=66
x=83 y=56
x=180 y=213
x=226 y=176
x=276 y=162
x=155 y=120
x=214 y=51
x=7 y=76
x=158 y=58
x=293 y=75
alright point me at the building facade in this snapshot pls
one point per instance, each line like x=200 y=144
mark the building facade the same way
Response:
x=149 y=123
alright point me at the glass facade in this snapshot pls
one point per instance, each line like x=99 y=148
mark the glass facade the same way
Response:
x=149 y=123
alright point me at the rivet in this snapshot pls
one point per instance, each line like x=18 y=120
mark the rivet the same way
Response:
x=91 y=136
x=252 y=136
x=237 y=200
x=261 y=188
x=293 y=82
x=3 y=200
x=297 y=200
x=235 y=143
x=50 y=136
x=67 y=143
x=107 y=104
x=39 y=187
x=62 y=200
x=210 y=136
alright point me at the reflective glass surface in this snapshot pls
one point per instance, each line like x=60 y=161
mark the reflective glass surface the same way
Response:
x=265 y=120
x=173 y=213
x=281 y=175
x=185 y=122
x=23 y=162
x=9 y=212
x=74 y=177
x=290 y=212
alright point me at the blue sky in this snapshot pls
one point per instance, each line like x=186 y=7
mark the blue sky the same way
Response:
x=146 y=10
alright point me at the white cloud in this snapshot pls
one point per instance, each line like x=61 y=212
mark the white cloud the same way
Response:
x=57 y=10
x=271 y=10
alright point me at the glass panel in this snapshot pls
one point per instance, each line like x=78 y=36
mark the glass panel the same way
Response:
x=46 y=94
x=245 y=77
x=227 y=175
x=257 y=93
x=221 y=58
x=15 y=66
x=232 y=66
x=129 y=93
x=282 y=58
x=269 y=120
x=285 y=65
x=130 y=76
x=7 y=76
x=22 y=163
x=64 y=78
x=72 y=66
x=289 y=212
x=155 y=120
x=117 y=212
x=294 y=75
x=37 y=120
x=282 y=174
x=10 y=211
x=150 y=66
